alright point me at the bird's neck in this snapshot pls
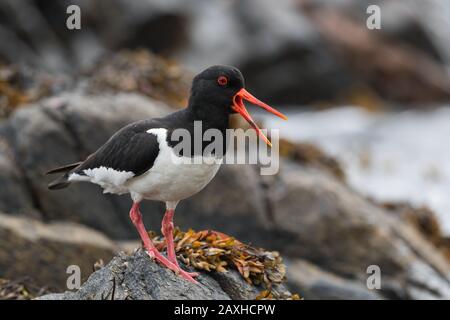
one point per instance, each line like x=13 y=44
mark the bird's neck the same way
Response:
x=211 y=117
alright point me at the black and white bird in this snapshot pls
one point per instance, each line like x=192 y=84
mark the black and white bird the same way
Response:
x=139 y=158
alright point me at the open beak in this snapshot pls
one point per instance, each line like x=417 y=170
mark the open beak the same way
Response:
x=239 y=107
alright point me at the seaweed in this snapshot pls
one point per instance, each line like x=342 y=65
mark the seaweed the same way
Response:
x=210 y=250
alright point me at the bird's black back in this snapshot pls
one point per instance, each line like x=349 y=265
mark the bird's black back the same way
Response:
x=133 y=149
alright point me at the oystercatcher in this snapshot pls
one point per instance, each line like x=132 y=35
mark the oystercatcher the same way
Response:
x=138 y=159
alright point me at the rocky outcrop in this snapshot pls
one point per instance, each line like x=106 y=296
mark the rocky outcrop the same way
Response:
x=43 y=252
x=136 y=277
x=15 y=196
x=304 y=212
x=329 y=232
x=329 y=224
x=142 y=72
x=65 y=129
x=21 y=84
x=304 y=45
x=316 y=284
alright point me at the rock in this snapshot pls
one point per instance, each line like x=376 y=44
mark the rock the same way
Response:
x=142 y=72
x=320 y=219
x=20 y=289
x=136 y=277
x=29 y=248
x=304 y=45
x=424 y=220
x=310 y=155
x=15 y=195
x=315 y=283
x=20 y=84
x=69 y=127
x=374 y=59
x=305 y=212
x=233 y=197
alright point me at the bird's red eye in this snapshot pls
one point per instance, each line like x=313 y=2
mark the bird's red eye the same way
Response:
x=222 y=80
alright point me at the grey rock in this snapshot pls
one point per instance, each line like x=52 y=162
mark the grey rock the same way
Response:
x=314 y=283
x=15 y=195
x=66 y=129
x=234 y=199
x=265 y=39
x=322 y=220
x=302 y=212
x=29 y=248
x=137 y=277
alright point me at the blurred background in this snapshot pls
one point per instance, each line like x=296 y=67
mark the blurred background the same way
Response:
x=365 y=175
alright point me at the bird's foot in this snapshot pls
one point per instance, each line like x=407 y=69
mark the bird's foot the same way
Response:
x=193 y=274
x=151 y=254
x=155 y=254
x=175 y=262
x=189 y=276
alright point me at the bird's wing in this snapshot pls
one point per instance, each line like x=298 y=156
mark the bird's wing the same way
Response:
x=131 y=149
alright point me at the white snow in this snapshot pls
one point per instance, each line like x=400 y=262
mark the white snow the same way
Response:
x=395 y=156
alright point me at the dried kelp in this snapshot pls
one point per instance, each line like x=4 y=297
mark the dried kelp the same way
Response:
x=274 y=295
x=211 y=250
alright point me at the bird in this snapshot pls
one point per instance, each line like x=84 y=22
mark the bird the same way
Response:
x=139 y=158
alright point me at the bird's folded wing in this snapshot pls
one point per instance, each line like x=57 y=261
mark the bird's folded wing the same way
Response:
x=131 y=149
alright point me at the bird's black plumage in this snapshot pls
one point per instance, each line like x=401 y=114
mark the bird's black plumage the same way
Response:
x=137 y=160
x=133 y=149
x=130 y=149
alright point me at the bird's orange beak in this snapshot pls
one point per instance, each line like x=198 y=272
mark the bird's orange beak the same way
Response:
x=239 y=107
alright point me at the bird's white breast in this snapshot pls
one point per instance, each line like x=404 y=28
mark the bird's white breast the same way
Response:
x=172 y=178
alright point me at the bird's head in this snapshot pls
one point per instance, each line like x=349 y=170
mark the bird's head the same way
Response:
x=220 y=91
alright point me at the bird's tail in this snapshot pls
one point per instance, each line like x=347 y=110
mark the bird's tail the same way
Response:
x=63 y=181
x=60 y=183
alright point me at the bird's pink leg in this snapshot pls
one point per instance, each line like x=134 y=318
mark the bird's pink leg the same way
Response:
x=136 y=218
x=167 y=231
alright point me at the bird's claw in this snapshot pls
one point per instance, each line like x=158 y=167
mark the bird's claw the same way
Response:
x=193 y=274
x=151 y=254
x=180 y=270
x=186 y=275
x=189 y=276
